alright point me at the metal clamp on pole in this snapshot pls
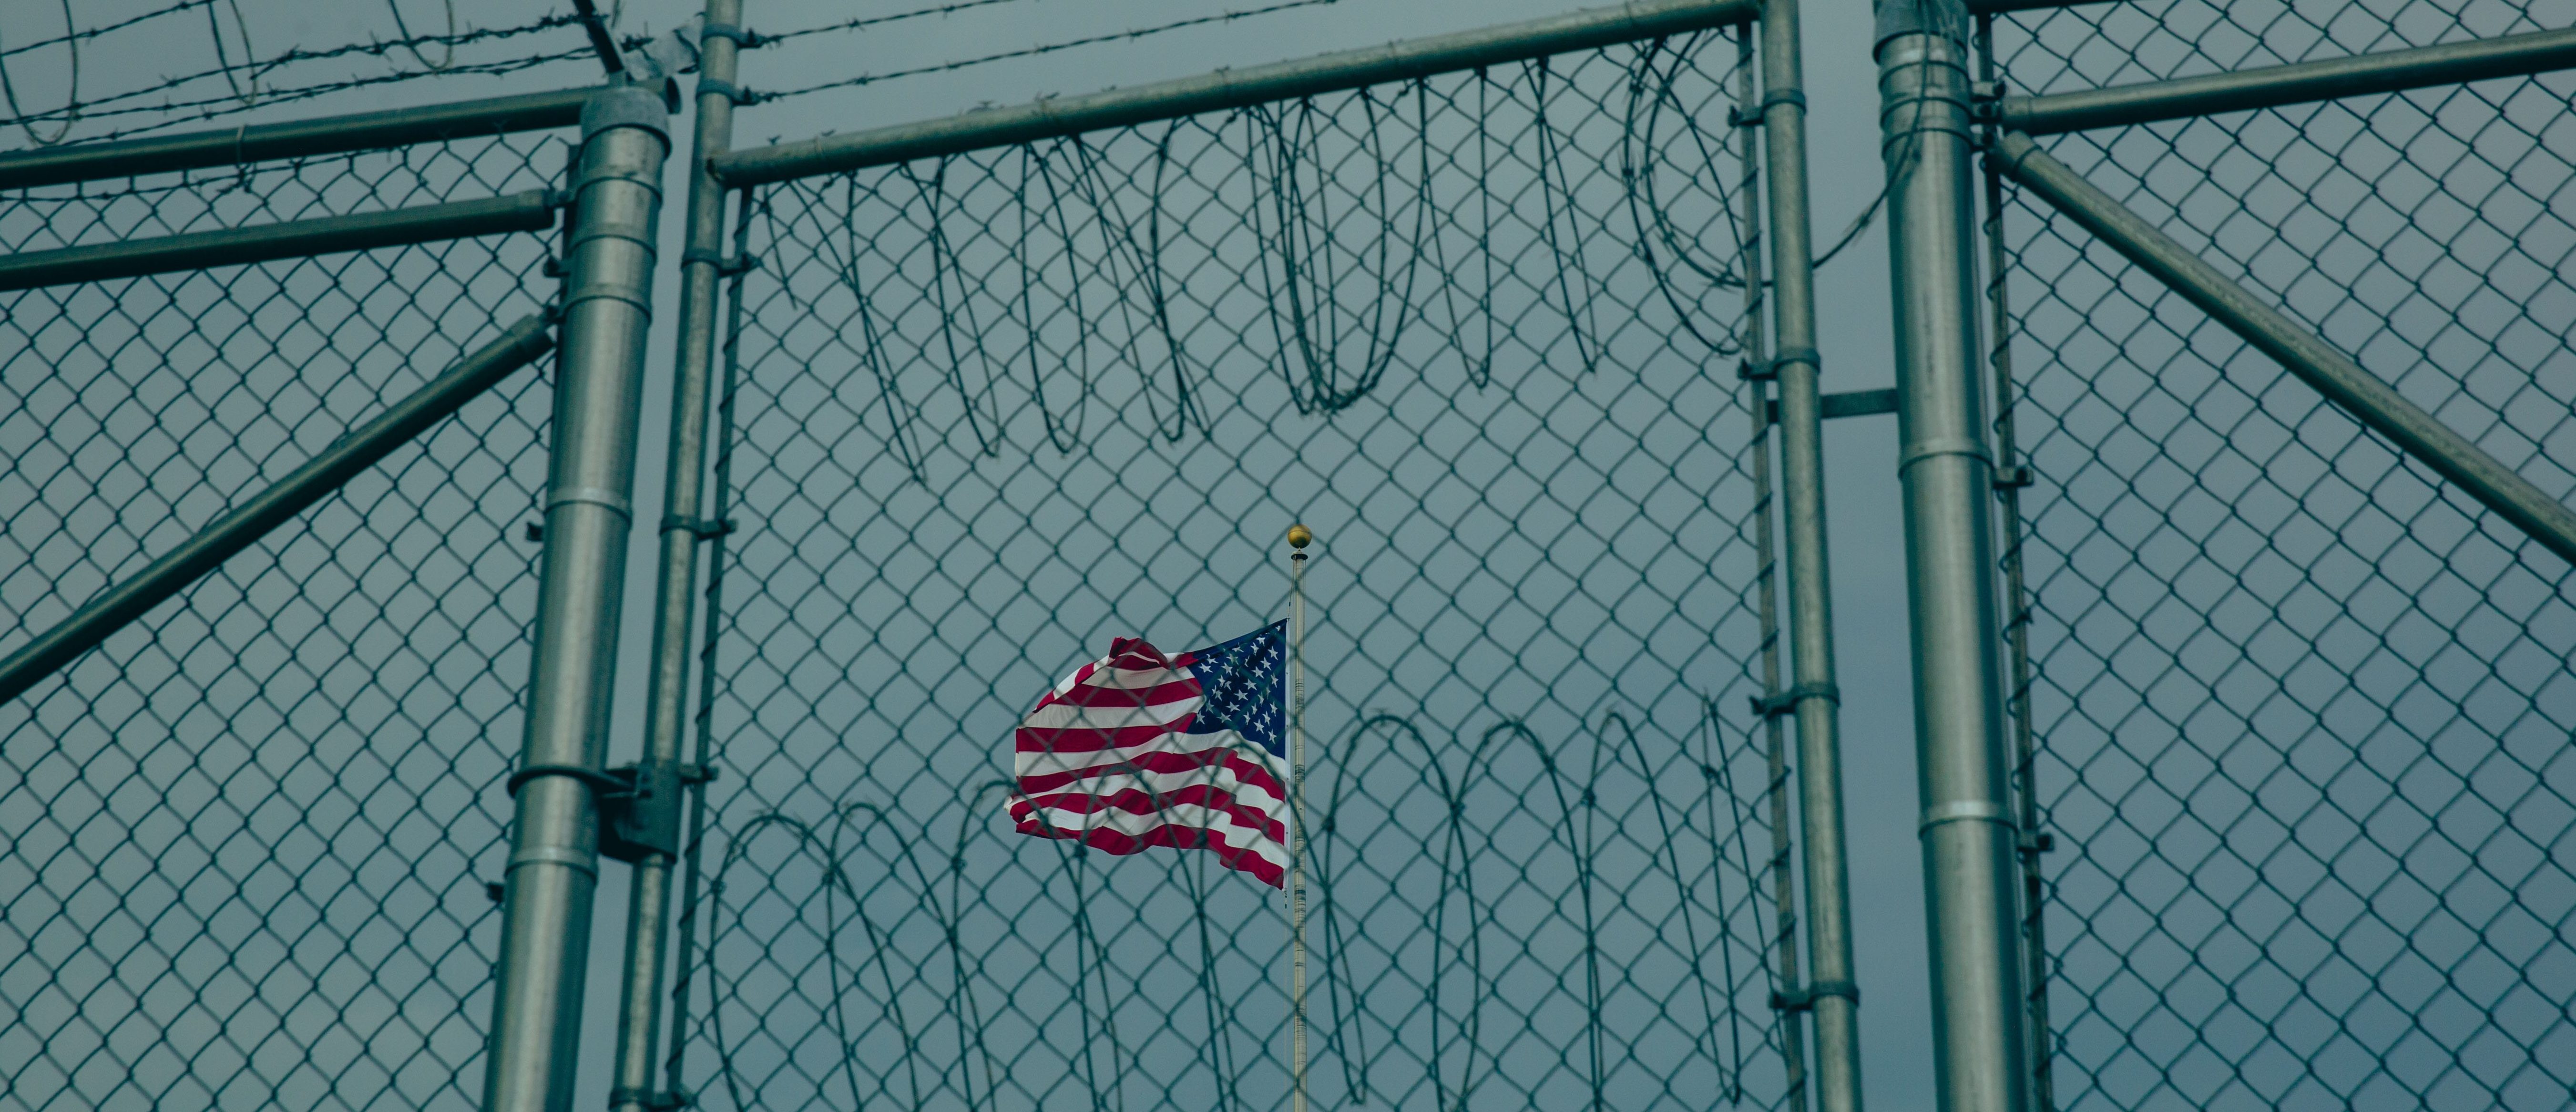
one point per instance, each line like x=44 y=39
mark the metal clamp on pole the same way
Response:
x=1768 y=370
x=1752 y=115
x=642 y=818
x=698 y=527
x=1804 y=999
x=726 y=265
x=740 y=96
x=1786 y=702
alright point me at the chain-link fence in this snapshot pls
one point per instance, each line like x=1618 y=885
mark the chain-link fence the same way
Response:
x=2303 y=709
x=1481 y=331
x=244 y=844
x=2300 y=710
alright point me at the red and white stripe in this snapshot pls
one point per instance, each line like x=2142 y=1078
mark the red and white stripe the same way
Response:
x=1104 y=759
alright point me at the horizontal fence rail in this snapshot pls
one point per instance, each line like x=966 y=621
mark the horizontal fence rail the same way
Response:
x=1228 y=89
x=293 y=139
x=532 y=211
x=2298 y=83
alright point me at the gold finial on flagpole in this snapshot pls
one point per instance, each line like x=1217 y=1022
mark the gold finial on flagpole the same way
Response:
x=1299 y=536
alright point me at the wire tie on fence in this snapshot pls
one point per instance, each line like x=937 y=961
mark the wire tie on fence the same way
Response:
x=2014 y=477
x=1804 y=999
x=649 y=1098
x=740 y=96
x=706 y=529
x=1786 y=702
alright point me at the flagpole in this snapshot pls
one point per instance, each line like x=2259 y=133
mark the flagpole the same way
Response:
x=1298 y=538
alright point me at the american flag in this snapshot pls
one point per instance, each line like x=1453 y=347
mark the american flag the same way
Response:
x=1139 y=749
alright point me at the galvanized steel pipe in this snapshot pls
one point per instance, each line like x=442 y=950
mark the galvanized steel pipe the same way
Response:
x=648 y=923
x=1832 y=996
x=531 y=211
x=553 y=870
x=2298 y=83
x=1947 y=471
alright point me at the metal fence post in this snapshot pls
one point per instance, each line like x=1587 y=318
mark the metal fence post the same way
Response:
x=1968 y=832
x=1831 y=996
x=554 y=854
x=648 y=923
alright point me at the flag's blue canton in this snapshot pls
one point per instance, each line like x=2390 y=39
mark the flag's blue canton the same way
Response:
x=1241 y=683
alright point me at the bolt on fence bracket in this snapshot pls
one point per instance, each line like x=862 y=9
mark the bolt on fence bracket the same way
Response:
x=644 y=818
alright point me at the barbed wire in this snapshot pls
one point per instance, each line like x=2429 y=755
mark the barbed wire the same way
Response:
x=243 y=78
x=838 y=846
x=1353 y=249
x=76 y=36
x=880 y=20
x=1033 y=51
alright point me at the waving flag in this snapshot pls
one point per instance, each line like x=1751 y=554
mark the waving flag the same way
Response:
x=1138 y=749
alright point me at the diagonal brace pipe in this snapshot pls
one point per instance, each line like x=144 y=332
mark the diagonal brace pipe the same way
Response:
x=2357 y=392
x=112 y=609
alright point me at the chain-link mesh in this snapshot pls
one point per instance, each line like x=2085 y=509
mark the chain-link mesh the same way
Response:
x=1481 y=332
x=2304 y=709
x=244 y=843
